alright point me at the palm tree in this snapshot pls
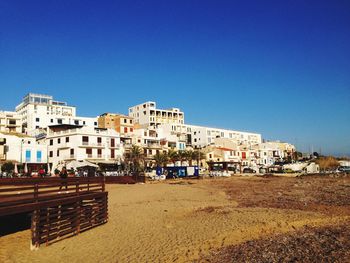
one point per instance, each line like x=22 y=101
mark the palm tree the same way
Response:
x=198 y=155
x=161 y=159
x=173 y=156
x=190 y=157
x=135 y=158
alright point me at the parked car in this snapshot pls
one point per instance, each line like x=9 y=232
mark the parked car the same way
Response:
x=249 y=171
x=345 y=169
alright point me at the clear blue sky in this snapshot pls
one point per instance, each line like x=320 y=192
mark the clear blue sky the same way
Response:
x=280 y=68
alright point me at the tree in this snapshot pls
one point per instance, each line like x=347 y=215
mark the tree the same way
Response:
x=182 y=156
x=198 y=156
x=173 y=156
x=8 y=167
x=161 y=159
x=135 y=158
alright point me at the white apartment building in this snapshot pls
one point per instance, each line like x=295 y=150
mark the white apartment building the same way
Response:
x=146 y=114
x=67 y=143
x=203 y=136
x=38 y=111
x=10 y=122
x=22 y=149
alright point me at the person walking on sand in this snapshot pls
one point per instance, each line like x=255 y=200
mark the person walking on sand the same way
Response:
x=63 y=175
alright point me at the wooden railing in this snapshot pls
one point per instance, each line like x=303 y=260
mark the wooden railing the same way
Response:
x=23 y=194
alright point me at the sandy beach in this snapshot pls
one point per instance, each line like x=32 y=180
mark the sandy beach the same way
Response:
x=185 y=220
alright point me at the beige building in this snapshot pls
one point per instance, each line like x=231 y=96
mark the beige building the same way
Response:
x=123 y=124
x=10 y=122
x=147 y=114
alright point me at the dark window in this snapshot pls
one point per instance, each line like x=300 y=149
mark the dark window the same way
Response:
x=112 y=142
x=71 y=151
x=99 y=152
x=58 y=153
x=51 y=120
x=51 y=154
x=37 y=119
x=51 y=142
x=95 y=123
x=99 y=140
x=112 y=154
x=88 y=151
x=59 y=140
x=85 y=139
x=76 y=122
x=67 y=139
x=83 y=122
x=59 y=121
x=125 y=129
x=125 y=120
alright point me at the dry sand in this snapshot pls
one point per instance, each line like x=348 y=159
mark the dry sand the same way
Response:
x=175 y=221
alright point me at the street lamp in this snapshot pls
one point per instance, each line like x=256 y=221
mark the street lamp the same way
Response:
x=22 y=141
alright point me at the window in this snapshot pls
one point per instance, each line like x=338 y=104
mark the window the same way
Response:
x=38 y=156
x=67 y=139
x=51 y=142
x=59 y=121
x=28 y=156
x=76 y=122
x=95 y=123
x=83 y=122
x=51 y=154
x=85 y=140
x=125 y=120
x=131 y=129
x=130 y=121
x=99 y=153
x=89 y=151
x=99 y=140
x=125 y=129
x=71 y=152
x=51 y=120
x=112 y=143
x=112 y=154
x=37 y=127
x=59 y=140
x=58 y=153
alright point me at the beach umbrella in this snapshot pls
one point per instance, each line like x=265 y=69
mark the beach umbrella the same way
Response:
x=25 y=168
x=16 y=169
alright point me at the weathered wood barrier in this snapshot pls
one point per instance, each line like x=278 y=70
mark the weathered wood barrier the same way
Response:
x=60 y=207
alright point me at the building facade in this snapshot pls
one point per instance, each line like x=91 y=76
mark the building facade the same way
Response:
x=122 y=124
x=22 y=149
x=146 y=114
x=38 y=111
x=10 y=122
x=202 y=136
x=67 y=143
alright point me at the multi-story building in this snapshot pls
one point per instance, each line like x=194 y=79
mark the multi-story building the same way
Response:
x=68 y=142
x=39 y=111
x=10 y=122
x=22 y=149
x=202 y=136
x=123 y=124
x=146 y=114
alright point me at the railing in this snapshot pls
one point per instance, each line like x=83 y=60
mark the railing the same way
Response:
x=22 y=194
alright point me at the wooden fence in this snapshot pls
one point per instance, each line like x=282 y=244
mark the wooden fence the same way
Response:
x=60 y=207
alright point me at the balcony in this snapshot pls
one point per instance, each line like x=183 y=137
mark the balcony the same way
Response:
x=92 y=144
